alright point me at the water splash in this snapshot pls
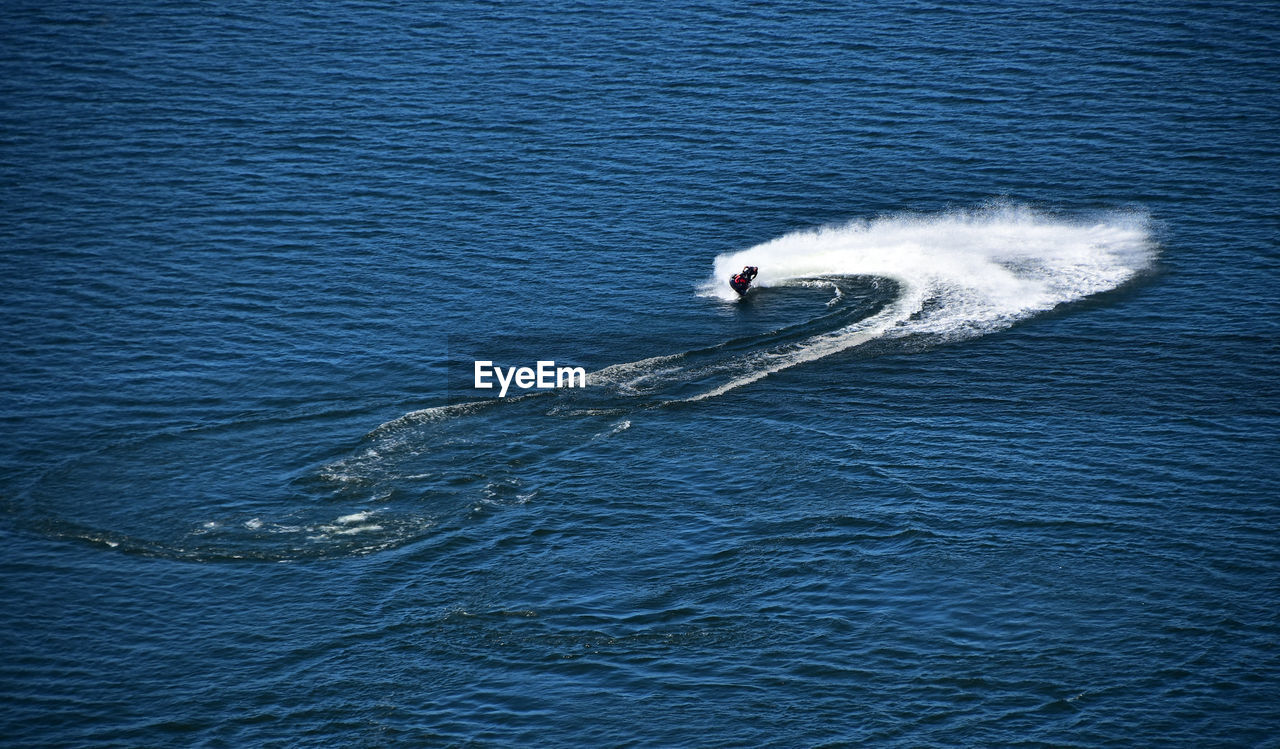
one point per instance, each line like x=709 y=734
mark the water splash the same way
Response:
x=982 y=270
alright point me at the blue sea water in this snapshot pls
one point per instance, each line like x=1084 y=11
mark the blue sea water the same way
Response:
x=989 y=456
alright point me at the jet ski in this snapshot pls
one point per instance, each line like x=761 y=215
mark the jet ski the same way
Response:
x=742 y=281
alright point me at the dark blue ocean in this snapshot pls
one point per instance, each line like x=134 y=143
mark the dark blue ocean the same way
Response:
x=990 y=455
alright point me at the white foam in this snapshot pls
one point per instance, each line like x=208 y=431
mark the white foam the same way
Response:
x=628 y=370
x=618 y=427
x=427 y=415
x=978 y=271
x=768 y=362
x=986 y=267
x=369 y=528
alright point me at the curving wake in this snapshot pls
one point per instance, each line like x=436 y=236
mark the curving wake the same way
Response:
x=941 y=277
x=957 y=275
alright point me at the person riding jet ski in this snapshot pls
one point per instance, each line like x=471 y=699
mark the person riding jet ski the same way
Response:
x=742 y=281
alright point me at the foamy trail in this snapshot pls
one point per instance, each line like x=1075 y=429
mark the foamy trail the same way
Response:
x=939 y=277
x=812 y=349
x=950 y=276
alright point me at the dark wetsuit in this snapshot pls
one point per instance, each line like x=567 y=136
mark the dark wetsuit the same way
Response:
x=742 y=281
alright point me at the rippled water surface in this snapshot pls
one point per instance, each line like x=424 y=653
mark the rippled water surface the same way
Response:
x=987 y=457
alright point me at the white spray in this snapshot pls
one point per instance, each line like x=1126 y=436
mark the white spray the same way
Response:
x=980 y=271
x=985 y=269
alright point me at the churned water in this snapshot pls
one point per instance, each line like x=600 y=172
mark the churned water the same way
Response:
x=988 y=456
